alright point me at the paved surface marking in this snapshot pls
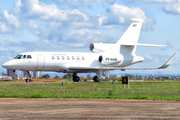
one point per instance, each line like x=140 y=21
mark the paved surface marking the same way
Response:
x=22 y=108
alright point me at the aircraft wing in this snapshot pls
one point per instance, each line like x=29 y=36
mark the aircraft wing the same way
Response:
x=93 y=69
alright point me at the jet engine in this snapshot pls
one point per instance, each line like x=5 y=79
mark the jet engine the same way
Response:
x=109 y=59
x=103 y=47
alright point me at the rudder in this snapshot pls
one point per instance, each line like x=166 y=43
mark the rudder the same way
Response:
x=132 y=33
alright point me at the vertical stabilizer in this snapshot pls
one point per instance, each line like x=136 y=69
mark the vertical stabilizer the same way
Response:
x=131 y=37
x=132 y=33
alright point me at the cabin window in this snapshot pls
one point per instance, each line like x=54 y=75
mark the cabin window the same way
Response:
x=19 y=57
x=63 y=57
x=72 y=57
x=78 y=58
x=53 y=57
x=24 y=57
x=58 y=57
x=68 y=58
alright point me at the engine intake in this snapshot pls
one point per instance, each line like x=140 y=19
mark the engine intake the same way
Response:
x=103 y=47
x=100 y=58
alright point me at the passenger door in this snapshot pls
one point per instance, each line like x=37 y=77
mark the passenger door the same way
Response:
x=40 y=62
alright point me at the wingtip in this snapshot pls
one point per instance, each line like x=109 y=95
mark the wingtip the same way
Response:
x=167 y=64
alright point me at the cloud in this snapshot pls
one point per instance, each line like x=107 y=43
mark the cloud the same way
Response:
x=60 y=28
x=86 y=37
x=7 y=55
x=86 y=3
x=169 y=46
x=77 y=38
x=16 y=7
x=8 y=22
x=161 y=1
x=36 y=9
x=120 y=14
x=5 y=28
x=42 y=11
x=173 y=8
x=148 y=56
x=11 y=20
x=154 y=60
x=169 y=6
x=7 y=45
x=77 y=32
x=33 y=27
x=153 y=1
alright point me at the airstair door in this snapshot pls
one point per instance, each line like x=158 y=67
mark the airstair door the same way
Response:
x=40 y=62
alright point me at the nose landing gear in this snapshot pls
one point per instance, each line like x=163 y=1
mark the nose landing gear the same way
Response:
x=28 y=77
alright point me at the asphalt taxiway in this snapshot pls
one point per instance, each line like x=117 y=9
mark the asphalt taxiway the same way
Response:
x=28 y=108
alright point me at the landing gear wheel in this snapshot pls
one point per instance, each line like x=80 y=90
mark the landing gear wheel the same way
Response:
x=27 y=80
x=28 y=77
x=76 y=79
x=96 y=79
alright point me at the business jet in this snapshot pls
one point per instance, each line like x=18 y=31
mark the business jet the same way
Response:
x=102 y=57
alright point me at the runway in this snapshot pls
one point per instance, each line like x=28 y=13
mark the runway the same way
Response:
x=28 y=108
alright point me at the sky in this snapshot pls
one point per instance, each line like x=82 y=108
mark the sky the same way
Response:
x=72 y=25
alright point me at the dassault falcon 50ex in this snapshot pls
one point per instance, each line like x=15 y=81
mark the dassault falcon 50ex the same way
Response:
x=102 y=57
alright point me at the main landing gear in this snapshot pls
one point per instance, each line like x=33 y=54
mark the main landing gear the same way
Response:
x=28 y=76
x=97 y=77
x=75 y=77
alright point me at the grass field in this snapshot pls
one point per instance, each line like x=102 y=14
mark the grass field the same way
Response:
x=163 y=90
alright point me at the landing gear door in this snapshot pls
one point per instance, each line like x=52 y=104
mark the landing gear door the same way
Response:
x=40 y=62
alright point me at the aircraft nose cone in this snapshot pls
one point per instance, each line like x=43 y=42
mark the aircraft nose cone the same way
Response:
x=5 y=65
x=10 y=65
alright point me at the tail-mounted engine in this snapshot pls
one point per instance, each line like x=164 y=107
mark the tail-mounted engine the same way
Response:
x=103 y=47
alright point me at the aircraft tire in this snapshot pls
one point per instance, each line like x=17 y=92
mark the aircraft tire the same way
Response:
x=96 y=79
x=76 y=79
x=27 y=80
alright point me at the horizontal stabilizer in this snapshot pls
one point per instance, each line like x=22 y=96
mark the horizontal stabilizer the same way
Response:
x=136 y=20
x=140 y=44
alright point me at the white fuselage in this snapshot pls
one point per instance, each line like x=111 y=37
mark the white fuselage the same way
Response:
x=61 y=61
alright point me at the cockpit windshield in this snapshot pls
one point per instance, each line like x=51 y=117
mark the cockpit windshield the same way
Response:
x=23 y=57
x=16 y=57
x=19 y=57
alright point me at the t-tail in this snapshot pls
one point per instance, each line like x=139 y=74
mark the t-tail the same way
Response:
x=129 y=41
x=126 y=46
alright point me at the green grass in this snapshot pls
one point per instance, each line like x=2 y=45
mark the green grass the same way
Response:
x=138 y=90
